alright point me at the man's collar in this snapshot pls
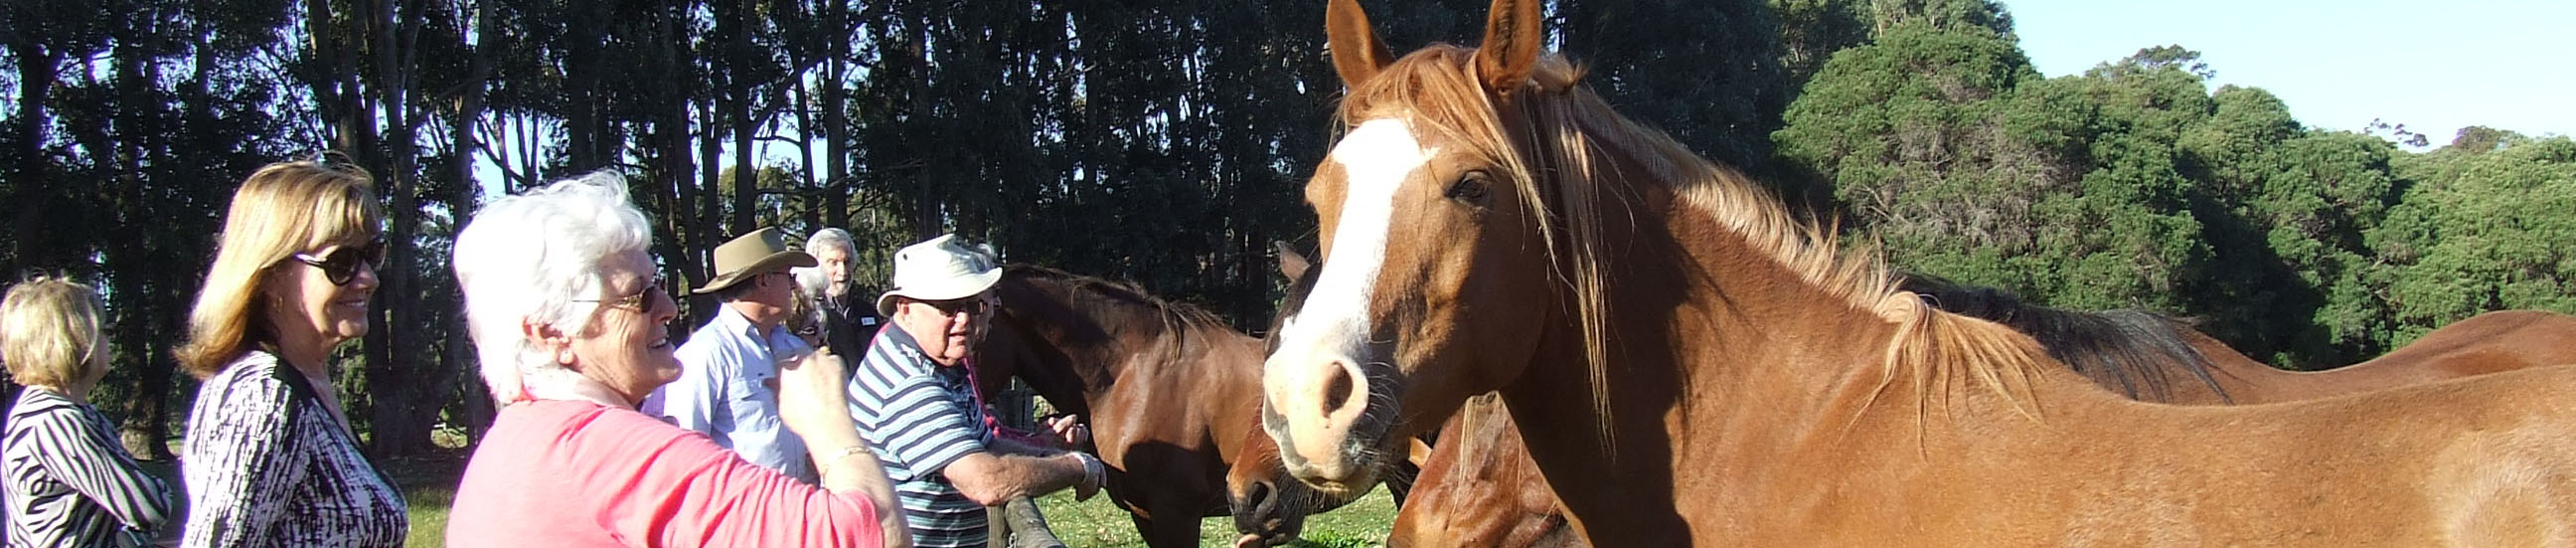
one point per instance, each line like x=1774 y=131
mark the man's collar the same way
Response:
x=732 y=321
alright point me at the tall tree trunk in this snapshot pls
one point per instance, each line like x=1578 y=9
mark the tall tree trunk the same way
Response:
x=36 y=75
x=130 y=135
x=710 y=220
x=926 y=216
x=586 y=142
x=746 y=183
x=478 y=408
x=397 y=382
x=676 y=190
x=836 y=185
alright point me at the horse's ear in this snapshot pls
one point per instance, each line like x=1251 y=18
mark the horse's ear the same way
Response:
x=1291 y=263
x=1512 y=39
x=1357 y=54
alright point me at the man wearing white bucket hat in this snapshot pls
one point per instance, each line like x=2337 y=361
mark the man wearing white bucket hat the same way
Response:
x=728 y=387
x=912 y=398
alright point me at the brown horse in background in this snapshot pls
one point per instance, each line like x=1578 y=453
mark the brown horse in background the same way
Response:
x=2493 y=342
x=1163 y=385
x=2159 y=358
x=1169 y=391
x=1480 y=489
x=1690 y=364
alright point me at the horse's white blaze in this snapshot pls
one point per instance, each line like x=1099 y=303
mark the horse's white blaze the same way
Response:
x=1375 y=159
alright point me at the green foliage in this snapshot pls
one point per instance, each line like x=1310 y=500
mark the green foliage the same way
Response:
x=2481 y=231
x=1812 y=30
x=1966 y=164
x=1986 y=15
x=2134 y=185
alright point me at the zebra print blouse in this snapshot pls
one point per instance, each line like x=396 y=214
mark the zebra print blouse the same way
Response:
x=268 y=465
x=70 y=483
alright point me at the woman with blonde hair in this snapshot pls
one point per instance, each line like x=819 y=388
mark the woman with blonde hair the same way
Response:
x=270 y=457
x=69 y=482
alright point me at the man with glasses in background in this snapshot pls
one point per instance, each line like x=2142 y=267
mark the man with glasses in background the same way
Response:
x=915 y=404
x=728 y=385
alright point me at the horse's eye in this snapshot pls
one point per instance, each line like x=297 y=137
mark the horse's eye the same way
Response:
x=1470 y=188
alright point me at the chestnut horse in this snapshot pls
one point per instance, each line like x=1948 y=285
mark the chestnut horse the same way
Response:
x=1691 y=364
x=1169 y=391
x=2152 y=357
x=2493 y=342
x=1479 y=488
x=1270 y=508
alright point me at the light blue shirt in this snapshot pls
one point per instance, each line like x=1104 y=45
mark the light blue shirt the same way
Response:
x=728 y=390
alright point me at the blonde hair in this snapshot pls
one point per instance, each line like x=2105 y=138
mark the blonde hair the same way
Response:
x=282 y=209
x=50 y=334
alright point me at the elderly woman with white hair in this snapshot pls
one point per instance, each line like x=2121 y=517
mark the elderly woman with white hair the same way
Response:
x=571 y=325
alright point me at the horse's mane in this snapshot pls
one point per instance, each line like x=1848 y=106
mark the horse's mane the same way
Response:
x=1579 y=140
x=1091 y=295
x=2132 y=351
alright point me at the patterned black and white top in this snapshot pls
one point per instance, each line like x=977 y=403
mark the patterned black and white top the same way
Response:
x=70 y=483
x=268 y=465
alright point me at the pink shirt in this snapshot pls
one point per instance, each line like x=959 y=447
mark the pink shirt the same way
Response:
x=576 y=473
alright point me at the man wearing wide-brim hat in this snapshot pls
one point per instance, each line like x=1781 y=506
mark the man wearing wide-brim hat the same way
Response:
x=728 y=385
x=914 y=403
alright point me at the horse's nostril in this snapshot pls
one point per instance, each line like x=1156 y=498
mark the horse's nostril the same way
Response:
x=1337 y=390
x=1260 y=497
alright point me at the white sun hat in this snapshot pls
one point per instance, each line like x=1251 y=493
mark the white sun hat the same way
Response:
x=937 y=270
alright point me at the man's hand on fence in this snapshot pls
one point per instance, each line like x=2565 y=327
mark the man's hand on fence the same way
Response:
x=1071 y=430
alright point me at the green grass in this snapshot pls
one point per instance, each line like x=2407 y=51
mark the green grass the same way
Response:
x=428 y=486
x=1099 y=523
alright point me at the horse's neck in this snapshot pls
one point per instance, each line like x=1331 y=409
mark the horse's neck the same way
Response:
x=1727 y=365
x=1092 y=363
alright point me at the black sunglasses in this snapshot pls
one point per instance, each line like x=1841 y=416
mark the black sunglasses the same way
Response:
x=951 y=307
x=341 y=266
x=637 y=301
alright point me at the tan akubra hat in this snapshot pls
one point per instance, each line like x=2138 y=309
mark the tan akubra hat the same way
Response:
x=760 y=252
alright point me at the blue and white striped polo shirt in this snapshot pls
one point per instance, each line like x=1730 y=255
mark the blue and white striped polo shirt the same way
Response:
x=919 y=417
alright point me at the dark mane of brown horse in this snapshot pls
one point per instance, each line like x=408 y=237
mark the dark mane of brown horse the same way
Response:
x=1086 y=309
x=1096 y=291
x=2134 y=352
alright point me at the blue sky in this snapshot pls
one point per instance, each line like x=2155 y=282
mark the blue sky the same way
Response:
x=2433 y=66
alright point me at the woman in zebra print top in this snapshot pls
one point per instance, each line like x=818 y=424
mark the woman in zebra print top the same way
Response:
x=69 y=483
x=270 y=459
